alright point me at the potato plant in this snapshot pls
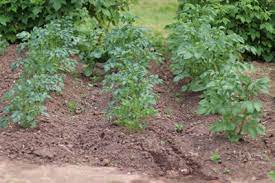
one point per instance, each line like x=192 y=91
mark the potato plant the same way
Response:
x=129 y=80
x=233 y=95
x=211 y=57
x=198 y=47
x=48 y=57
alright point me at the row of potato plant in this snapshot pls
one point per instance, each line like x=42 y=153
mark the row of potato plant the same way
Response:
x=126 y=53
x=212 y=59
x=48 y=58
x=129 y=79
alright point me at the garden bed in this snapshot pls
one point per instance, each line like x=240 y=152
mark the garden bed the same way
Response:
x=86 y=137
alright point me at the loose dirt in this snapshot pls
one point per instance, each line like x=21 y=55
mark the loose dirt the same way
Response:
x=85 y=139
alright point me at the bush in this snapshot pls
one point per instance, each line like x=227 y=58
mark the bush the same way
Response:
x=22 y=15
x=251 y=19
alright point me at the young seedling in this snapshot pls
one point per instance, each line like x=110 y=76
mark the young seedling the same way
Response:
x=72 y=106
x=271 y=175
x=216 y=158
x=179 y=127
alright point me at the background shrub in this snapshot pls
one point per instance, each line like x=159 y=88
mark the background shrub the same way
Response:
x=253 y=20
x=22 y=15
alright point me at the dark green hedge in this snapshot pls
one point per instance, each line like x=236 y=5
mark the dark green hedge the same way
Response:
x=23 y=15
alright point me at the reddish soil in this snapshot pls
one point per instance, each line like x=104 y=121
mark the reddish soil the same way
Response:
x=87 y=138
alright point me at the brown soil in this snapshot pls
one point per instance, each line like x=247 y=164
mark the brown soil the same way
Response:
x=87 y=138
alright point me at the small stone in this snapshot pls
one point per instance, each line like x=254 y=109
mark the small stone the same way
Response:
x=106 y=162
x=185 y=171
x=172 y=173
x=44 y=152
x=78 y=110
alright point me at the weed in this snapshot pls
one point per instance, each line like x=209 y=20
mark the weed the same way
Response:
x=179 y=127
x=72 y=106
x=216 y=158
x=271 y=175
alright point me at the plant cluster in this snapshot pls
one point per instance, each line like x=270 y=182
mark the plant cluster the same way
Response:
x=49 y=51
x=128 y=77
x=125 y=52
x=3 y=45
x=23 y=15
x=253 y=20
x=216 y=158
x=233 y=95
x=197 y=46
x=211 y=57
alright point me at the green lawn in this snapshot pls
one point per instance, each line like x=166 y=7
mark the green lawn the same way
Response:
x=155 y=14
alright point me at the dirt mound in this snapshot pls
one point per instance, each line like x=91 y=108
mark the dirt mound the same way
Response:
x=85 y=136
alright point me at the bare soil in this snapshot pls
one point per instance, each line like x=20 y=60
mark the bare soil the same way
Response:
x=86 y=138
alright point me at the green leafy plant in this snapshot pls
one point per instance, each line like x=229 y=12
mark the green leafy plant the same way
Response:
x=179 y=127
x=48 y=57
x=211 y=57
x=23 y=15
x=253 y=20
x=3 y=45
x=128 y=78
x=198 y=47
x=216 y=158
x=233 y=95
x=26 y=99
x=72 y=106
x=92 y=49
x=271 y=174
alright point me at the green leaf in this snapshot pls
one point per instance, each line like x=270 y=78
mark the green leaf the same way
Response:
x=4 y=20
x=57 y=4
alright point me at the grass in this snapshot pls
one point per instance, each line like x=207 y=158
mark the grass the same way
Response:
x=155 y=14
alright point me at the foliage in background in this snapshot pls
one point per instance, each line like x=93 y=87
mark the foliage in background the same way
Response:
x=253 y=20
x=48 y=57
x=211 y=58
x=23 y=15
x=3 y=45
